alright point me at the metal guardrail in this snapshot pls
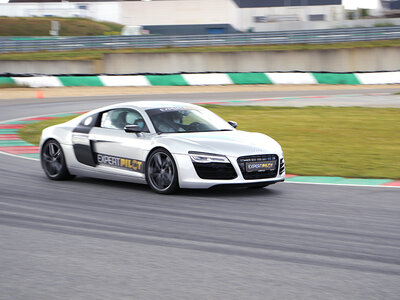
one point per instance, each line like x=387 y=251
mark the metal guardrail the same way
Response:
x=32 y=44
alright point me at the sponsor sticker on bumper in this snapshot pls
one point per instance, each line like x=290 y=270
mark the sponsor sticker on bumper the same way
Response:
x=260 y=166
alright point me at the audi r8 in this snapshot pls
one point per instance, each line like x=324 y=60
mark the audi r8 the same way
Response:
x=168 y=145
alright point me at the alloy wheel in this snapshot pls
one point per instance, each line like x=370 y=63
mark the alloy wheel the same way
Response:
x=53 y=161
x=161 y=172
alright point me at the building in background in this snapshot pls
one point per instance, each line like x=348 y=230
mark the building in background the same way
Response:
x=391 y=8
x=189 y=16
x=261 y=15
x=227 y=16
x=180 y=17
x=98 y=10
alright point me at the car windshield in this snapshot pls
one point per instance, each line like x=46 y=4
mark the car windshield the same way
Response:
x=180 y=119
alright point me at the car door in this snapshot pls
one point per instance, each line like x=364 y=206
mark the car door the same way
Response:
x=116 y=151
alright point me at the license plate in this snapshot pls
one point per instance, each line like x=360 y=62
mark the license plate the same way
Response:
x=260 y=166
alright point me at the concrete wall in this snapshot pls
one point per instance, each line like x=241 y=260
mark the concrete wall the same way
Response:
x=343 y=60
x=49 y=67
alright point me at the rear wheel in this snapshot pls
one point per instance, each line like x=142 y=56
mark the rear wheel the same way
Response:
x=53 y=161
x=161 y=172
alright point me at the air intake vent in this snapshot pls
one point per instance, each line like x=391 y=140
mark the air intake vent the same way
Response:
x=215 y=170
x=281 y=166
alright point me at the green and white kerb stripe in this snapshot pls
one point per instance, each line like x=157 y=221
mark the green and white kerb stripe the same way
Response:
x=207 y=79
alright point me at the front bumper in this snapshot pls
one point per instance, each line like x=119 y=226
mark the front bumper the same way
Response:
x=188 y=177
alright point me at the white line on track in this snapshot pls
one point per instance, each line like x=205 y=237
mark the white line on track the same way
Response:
x=343 y=184
x=19 y=156
x=29 y=117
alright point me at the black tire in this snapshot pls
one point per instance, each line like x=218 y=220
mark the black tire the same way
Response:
x=161 y=172
x=53 y=161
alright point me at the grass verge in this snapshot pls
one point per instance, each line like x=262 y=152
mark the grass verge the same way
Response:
x=320 y=141
x=31 y=133
x=97 y=54
x=40 y=26
x=8 y=85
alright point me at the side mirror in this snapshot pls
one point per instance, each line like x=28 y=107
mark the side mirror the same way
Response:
x=133 y=128
x=232 y=123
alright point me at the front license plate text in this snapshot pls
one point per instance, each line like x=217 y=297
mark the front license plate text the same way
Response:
x=260 y=166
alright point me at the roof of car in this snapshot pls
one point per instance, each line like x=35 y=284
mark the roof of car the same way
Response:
x=154 y=104
x=144 y=105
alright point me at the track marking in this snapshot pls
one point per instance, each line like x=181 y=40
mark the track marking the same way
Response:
x=342 y=184
x=289 y=98
x=14 y=136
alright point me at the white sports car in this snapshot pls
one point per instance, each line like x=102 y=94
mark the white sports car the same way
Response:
x=168 y=145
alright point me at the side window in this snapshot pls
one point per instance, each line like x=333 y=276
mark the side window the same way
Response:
x=120 y=117
x=88 y=121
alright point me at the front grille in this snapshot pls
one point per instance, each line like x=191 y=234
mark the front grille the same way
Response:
x=215 y=170
x=281 y=166
x=258 y=158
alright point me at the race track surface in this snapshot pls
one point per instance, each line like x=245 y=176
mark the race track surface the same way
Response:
x=97 y=239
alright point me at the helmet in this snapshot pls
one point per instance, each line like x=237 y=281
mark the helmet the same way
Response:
x=118 y=119
x=175 y=116
x=140 y=122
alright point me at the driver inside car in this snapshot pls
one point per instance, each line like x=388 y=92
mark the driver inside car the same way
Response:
x=170 y=122
x=133 y=118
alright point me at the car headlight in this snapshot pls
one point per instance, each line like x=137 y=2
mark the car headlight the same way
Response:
x=200 y=157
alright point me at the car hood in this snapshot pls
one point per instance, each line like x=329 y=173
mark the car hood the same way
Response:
x=230 y=143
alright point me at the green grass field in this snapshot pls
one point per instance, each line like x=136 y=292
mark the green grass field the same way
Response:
x=321 y=141
x=32 y=132
x=30 y=26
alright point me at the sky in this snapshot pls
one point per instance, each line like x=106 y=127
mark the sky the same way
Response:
x=349 y=4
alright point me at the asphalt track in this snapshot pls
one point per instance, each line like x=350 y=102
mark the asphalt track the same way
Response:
x=96 y=239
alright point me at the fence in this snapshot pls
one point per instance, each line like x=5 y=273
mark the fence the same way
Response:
x=32 y=44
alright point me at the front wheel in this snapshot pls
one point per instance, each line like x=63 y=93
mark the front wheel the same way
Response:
x=53 y=161
x=161 y=172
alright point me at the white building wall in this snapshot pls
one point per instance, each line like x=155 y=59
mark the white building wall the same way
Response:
x=179 y=12
x=236 y=17
x=62 y=9
x=279 y=26
x=292 y=17
x=104 y=11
